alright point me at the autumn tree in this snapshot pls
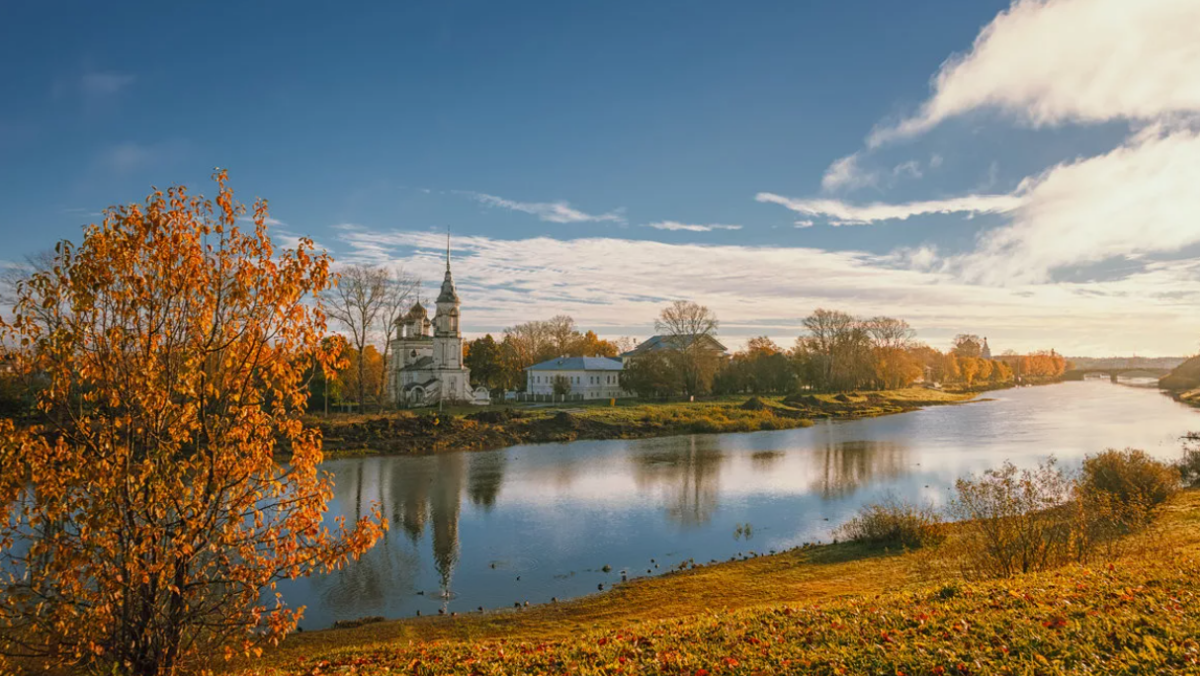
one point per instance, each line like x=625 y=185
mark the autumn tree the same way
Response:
x=356 y=300
x=838 y=350
x=591 y=345
x=145 y=515
x=363 y=372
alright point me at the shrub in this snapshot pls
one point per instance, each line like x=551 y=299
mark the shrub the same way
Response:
x=894 y=523
x=1129 y=479
x=1016 y=521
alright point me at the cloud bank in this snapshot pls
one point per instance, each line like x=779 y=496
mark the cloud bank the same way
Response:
x=1056 y=61
x=617 y=286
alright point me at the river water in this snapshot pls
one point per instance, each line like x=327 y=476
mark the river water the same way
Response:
x=529 y=523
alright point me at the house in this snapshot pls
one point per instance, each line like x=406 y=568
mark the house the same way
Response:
x=427 y=369
x=658 y=343
x=587 y=377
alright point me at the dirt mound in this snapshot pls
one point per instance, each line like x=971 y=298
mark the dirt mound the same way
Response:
x=842 y=398
x=565 y=420
x=495 y=417
x=800 y=400
x=754 y=404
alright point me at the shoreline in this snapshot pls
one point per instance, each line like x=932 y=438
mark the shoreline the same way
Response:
x=805 y=581
x=494 y=427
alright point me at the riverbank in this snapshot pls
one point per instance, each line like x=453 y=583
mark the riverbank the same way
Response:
x=843 y=608
x=411 y=433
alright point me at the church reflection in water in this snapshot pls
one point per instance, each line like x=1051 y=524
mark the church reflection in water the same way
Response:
x=418 y=496
x=424 y=495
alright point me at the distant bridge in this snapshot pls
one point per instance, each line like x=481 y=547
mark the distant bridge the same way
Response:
x=1114 y=373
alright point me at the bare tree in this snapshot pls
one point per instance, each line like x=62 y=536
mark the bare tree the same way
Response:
x=691 y=331
x=889 y=332
x=356 y=303
x=15 y=274
x=397 y=291
x=561 y=332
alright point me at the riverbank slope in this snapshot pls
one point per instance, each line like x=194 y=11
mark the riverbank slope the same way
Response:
x=1183 y=383
x=828 y=609
x=411 y=433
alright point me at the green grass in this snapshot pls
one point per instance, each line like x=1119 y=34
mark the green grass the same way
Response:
x=836 y=609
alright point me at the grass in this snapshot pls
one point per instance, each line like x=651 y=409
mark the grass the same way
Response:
x=409 y=432
x=833 y=609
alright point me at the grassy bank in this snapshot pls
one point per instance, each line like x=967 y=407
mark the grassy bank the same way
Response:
x=835 y=609
x=406 y=432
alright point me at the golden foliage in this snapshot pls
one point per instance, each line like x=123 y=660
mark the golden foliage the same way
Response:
x=143 y=521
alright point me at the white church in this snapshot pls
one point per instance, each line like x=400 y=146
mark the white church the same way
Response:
x=427 y=369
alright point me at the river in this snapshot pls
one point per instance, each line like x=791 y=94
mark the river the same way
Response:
x=530 y=523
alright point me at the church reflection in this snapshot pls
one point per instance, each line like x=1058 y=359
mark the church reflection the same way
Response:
x=687 y=472
x=418 y=496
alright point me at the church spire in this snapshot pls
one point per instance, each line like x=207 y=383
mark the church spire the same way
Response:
x=448 y=294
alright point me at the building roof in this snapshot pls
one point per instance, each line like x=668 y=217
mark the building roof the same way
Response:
x=578 y=364
x=655 y=343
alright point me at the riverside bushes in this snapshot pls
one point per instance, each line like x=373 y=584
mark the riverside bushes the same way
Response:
x=1021 y=521
x=894 y=523
x=1130 y=478
x=1015 y=521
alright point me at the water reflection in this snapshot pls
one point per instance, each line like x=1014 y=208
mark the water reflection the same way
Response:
x=847 y=466
x=686 y=473
x=535 y=522
x=487 y=473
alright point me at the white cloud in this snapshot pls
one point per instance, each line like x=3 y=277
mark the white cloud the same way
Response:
x=935 y=161
x=845 y=213
x=675 y=226
x=910 y=169
x=1054 y=61
x=617 y=286
x=553 y=212
x=803 y=224
x=846 y=174
x=1140 y=198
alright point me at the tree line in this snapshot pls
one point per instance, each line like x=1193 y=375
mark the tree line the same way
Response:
x=837 y=352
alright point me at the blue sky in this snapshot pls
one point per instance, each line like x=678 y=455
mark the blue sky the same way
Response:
x=602 y=159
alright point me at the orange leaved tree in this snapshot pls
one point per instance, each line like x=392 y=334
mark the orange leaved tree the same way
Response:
x=146 y=520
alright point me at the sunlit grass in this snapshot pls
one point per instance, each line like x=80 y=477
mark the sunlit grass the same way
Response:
x=846 y=608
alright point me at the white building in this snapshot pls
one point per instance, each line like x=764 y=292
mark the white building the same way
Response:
x=427 y=369
x=588 y=377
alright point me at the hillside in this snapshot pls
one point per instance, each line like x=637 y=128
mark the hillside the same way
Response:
x=1184 y=381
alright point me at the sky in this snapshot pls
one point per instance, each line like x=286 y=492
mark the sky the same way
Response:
x=1026 y=172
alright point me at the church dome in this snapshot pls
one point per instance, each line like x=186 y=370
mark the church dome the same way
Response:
x=418 y=311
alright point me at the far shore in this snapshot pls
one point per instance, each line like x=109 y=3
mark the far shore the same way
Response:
x=430 y=431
